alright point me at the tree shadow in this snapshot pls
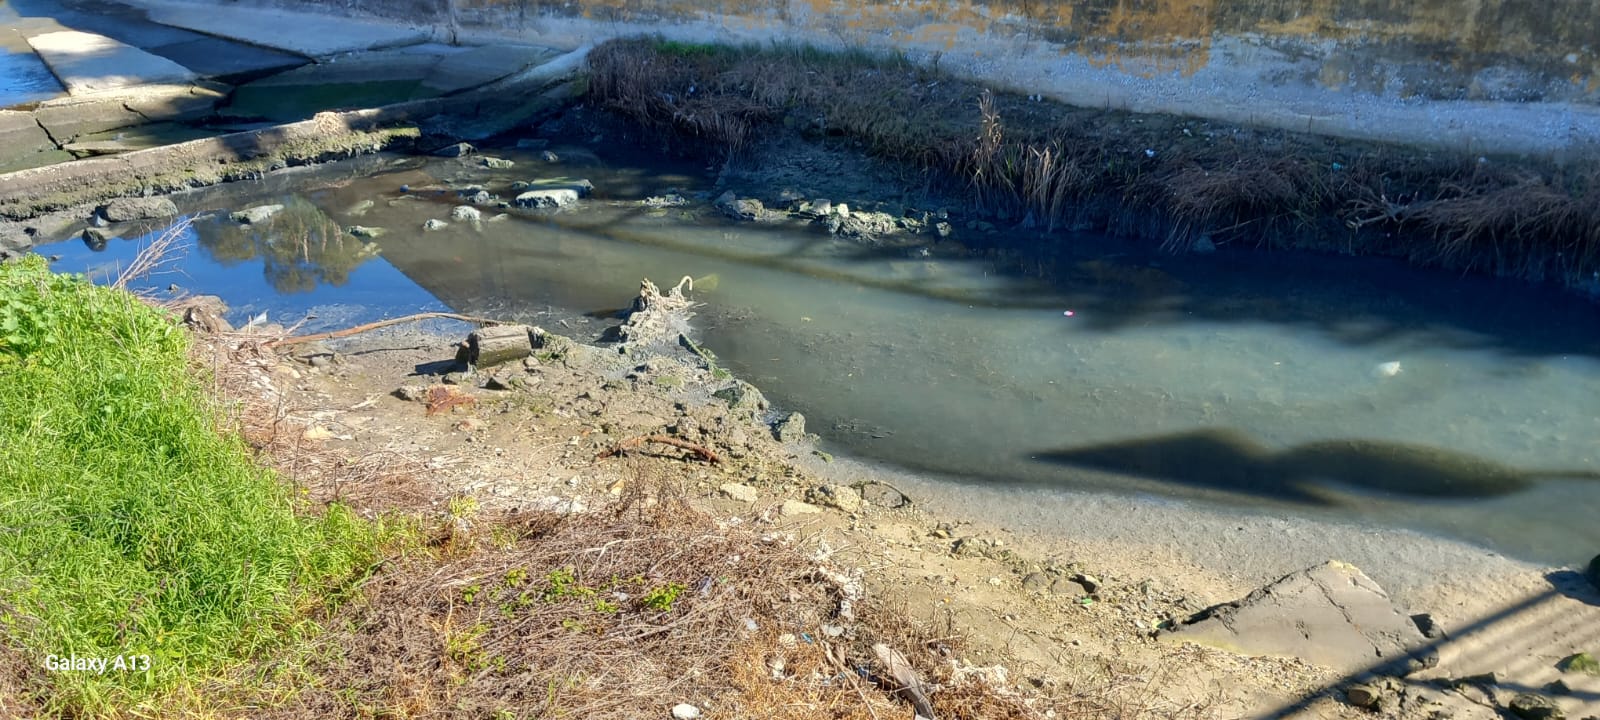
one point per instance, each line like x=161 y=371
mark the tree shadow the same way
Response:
x=1231 y=461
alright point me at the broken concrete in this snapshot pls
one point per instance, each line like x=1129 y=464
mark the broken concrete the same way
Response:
x=313 y=36
x=22 y=141
x=88 y=63
x=1331 y=615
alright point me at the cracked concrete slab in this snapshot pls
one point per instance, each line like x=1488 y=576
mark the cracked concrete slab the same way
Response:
x=23 y=143
x=67 y=119
x=1331 y=615
x=88 y=63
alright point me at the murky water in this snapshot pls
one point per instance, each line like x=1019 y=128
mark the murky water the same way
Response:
x=1327 y=387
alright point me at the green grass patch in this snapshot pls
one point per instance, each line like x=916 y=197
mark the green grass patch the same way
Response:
x=128 y=525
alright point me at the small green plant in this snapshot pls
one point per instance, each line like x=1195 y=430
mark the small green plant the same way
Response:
x=515 y=577
x=563 y=583
x=470 y=593
x=662 y=597
x=463 y=506
x=574 y=625
x=606 y=607
x=466 y=646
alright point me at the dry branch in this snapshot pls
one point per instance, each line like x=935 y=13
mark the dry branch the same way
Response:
x=299 y=339
x=704 y=452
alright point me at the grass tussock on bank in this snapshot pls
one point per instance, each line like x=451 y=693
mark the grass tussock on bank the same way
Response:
x=1168 y=179
x=130 y=527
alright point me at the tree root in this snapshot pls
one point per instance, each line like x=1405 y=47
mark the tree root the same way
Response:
x=704 y=452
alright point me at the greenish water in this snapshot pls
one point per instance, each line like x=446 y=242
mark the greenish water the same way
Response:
x=1323 y=387
x=285 y=103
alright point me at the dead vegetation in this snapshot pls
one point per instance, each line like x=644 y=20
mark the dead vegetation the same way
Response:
x=1180 y=181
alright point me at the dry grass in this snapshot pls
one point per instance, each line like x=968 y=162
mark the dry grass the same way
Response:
x=1159 y=177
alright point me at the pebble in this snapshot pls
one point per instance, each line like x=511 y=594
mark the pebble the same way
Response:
x=685 y=711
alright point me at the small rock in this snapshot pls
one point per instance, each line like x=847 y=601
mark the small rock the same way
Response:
x=943 y=229
x=559 y=505
x=685 y=711
x=842 y=210
x=494 y=163
x=836 y=496
x=96 y=238
x=456 y=150
x=145 y=208
x=362 y=231
x=1036 y=582
x=1363 y=696
x=742 y=395
x=255 y=215
x=1429 y=627
x=740 y=208
x=554 y=193
x=1558 y=687
x=1530 y=706
x=465 y=213
x=1386 y=370
x=742 y=493
x=1580 y=663
x=435 y=224
x=791 y=428
x=412 y=393
x=883 y=495
x=470 y=425
x=790 y=508
x=549 y=157
x=1069 y=588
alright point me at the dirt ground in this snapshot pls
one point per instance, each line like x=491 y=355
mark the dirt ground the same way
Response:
x=536 y=444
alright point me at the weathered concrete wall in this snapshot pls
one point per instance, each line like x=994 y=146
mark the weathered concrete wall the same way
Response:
x=1479 y=75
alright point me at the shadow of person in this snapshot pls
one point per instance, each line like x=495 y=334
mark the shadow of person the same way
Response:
x=1231 y=461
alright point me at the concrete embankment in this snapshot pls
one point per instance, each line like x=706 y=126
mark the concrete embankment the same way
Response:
x=1481 y=76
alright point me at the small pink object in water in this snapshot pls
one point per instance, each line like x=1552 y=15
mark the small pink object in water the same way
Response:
x=1069 y=313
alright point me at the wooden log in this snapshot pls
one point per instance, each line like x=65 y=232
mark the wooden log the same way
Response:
x=491 y=346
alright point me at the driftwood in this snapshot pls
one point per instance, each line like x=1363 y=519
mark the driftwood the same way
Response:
x=898 y=669
x=704 y=452
x=347 y=332
x=491 y=346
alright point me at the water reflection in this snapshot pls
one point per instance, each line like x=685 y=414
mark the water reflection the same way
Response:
x=299 y=247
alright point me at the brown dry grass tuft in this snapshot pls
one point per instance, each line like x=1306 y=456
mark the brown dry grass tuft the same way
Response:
x=1160 y=177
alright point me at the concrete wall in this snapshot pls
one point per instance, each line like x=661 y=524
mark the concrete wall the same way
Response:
x=1481 y=75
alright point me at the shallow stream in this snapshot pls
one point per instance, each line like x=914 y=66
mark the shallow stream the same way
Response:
x=1355 y=390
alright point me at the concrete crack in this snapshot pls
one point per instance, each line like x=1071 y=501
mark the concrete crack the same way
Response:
x=130 y=108
x=48 y=135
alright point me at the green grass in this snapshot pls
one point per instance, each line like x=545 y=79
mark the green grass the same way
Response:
x=128 y=525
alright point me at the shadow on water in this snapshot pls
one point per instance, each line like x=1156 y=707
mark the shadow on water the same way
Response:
x=1229 y=460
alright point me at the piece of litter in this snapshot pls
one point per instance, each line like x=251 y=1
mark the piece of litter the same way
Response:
x=1068 y=313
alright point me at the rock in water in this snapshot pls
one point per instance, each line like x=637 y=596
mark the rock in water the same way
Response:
x=1386 y=370
x=554 y=193
x=255 y=215
x=146 y=208
x=456 y=150
x=790 y=429
x=1331 y=615
x=465 y=213
x=1593 y=573
x=435 y=224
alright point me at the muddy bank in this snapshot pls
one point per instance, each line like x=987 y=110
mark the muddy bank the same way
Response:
x=1189 y=185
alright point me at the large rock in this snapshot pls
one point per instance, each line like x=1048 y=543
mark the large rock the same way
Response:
x=1593 y=572
x=141 y=208
x=553 y=192
x=1331 y=615
x=791 y=428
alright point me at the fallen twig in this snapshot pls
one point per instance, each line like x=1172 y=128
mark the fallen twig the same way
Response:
x=704 y=452
x=298 y=339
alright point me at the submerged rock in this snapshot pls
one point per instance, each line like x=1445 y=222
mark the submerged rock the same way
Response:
x=362 y=231
x=456 y=150
x=494 y=163
x=144 y=208
x=740 y=208
x=255 y=215
x=435 y=224
x=465 y=213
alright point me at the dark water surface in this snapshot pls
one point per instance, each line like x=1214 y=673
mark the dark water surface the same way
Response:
x=1325 y=387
